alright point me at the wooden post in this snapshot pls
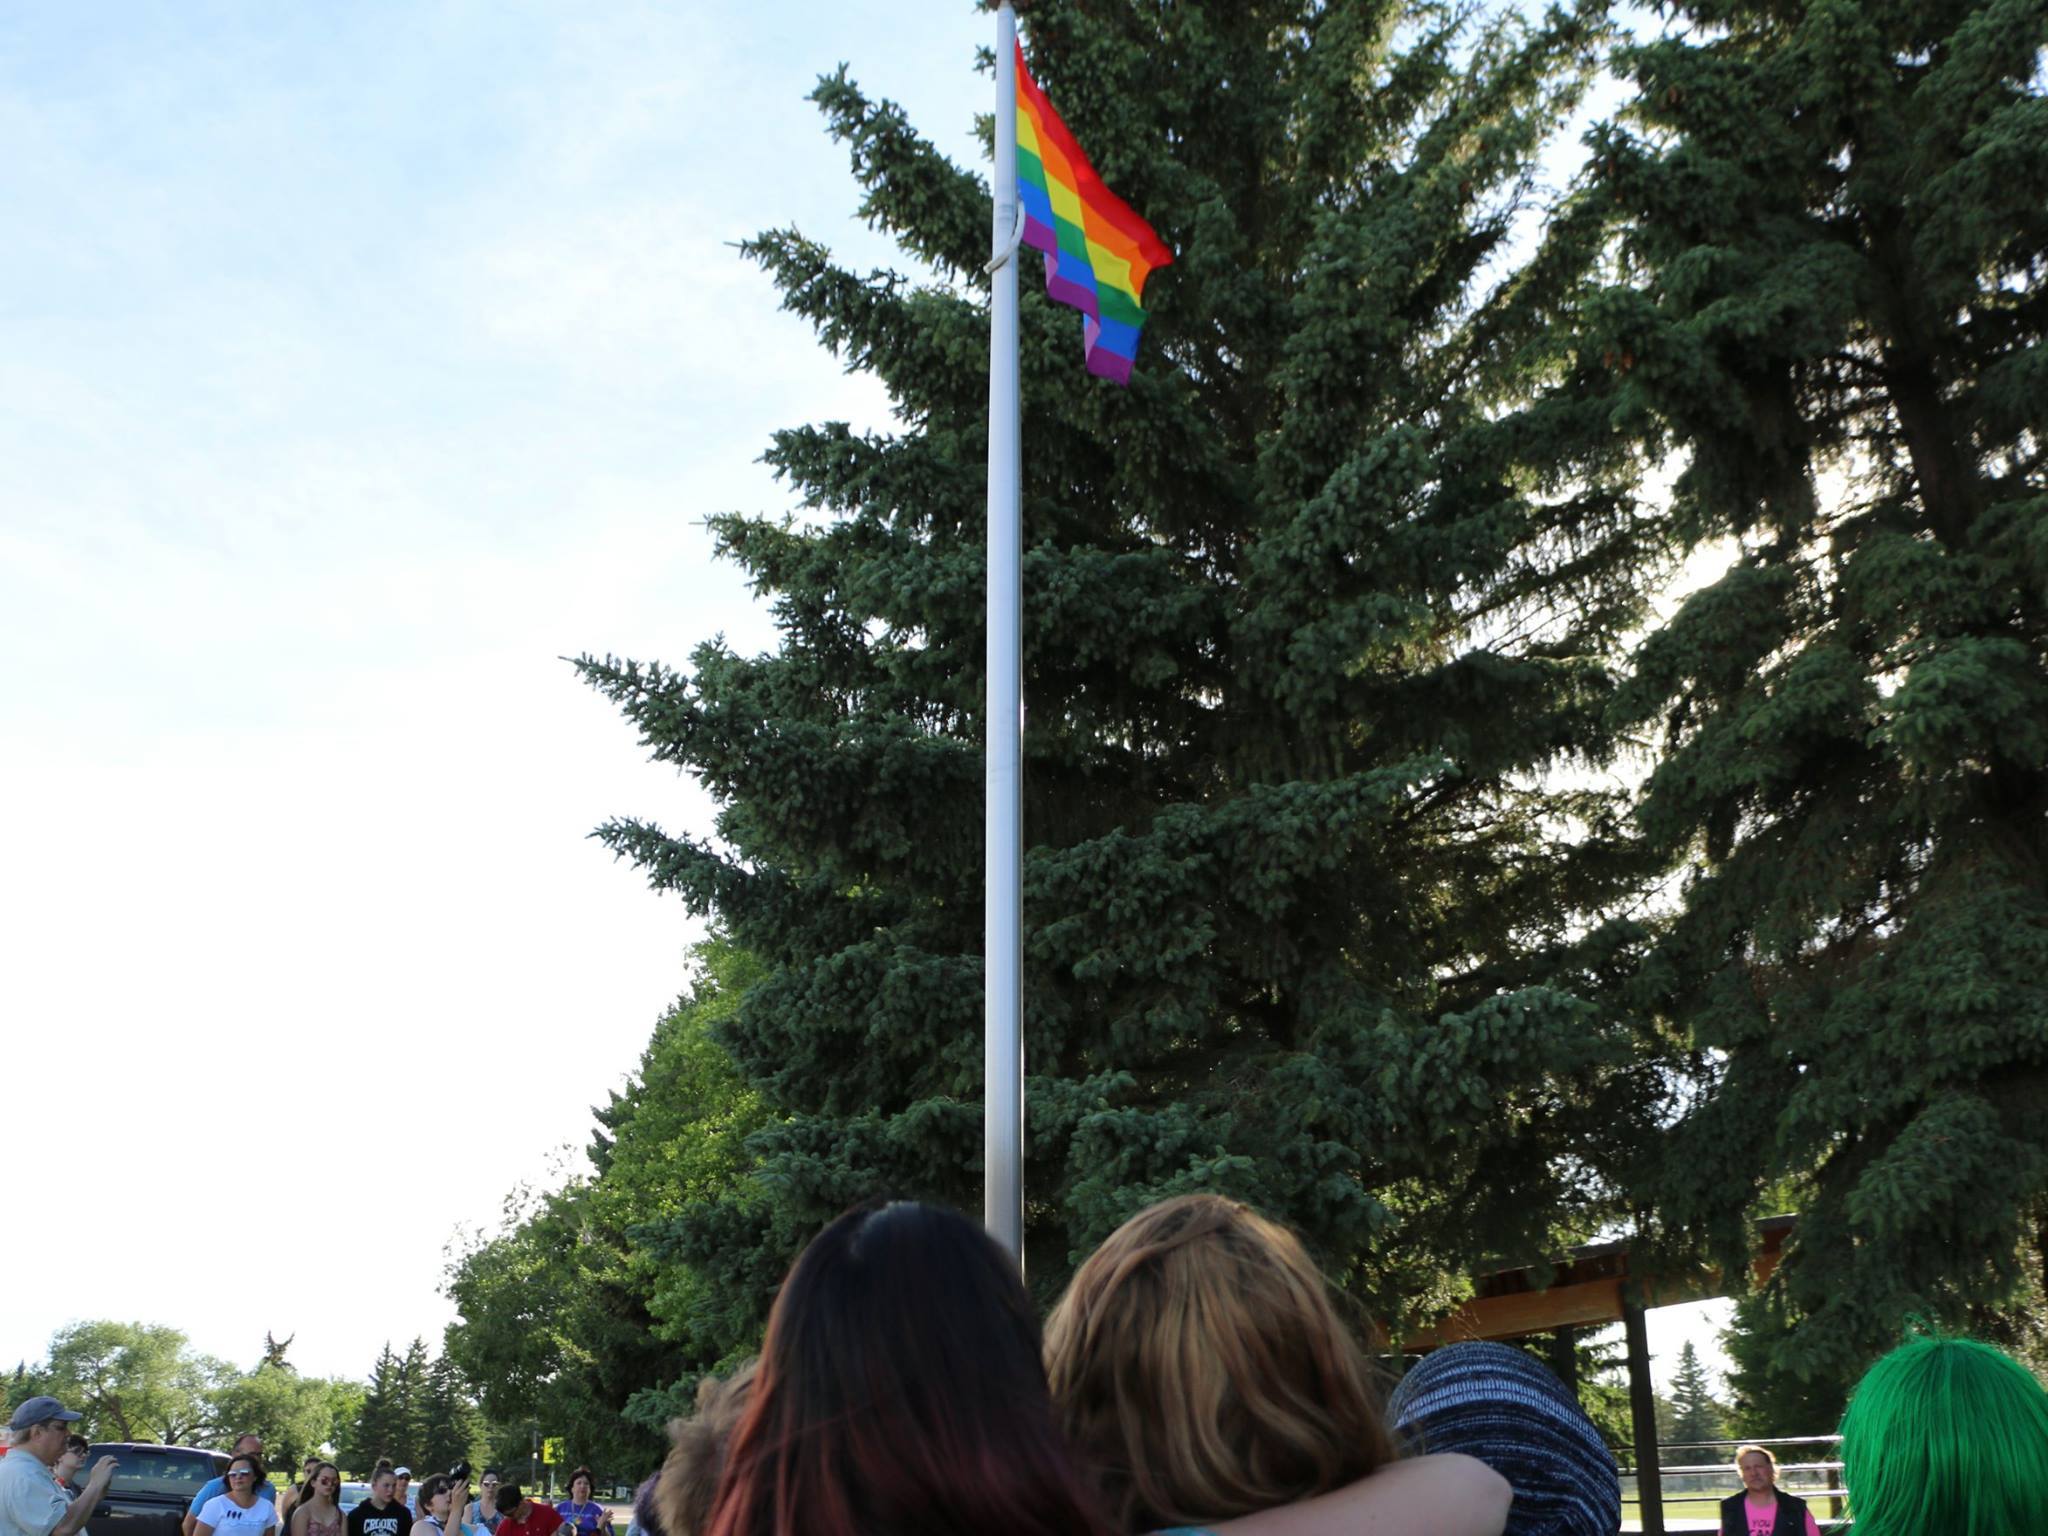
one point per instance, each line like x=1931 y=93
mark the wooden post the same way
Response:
x=1642 y=1404
x=1564 y=1358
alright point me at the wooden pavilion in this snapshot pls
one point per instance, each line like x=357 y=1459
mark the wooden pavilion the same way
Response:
x=1594 y=1286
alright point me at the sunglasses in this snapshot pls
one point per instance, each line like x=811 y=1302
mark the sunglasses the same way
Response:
x=241 y=1472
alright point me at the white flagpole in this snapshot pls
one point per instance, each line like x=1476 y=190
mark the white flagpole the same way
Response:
x=1003 y=934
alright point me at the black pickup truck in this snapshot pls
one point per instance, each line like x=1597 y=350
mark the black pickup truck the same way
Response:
x=153 y=1486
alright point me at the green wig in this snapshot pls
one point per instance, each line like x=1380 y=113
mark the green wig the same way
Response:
x=1946 y=1437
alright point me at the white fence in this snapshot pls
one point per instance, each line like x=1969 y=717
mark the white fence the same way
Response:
x=1705 y=1469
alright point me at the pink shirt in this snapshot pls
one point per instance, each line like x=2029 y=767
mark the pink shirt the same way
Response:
x=1764 y=1517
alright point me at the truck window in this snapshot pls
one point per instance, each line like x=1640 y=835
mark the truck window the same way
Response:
x=145 y=1470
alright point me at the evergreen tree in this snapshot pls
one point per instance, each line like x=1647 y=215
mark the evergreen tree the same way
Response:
x=1765 y=1398
x=379 y=1428
x=1309 y=611
x=409 y=1402
x=452 y=1429
x=1830 y=301
x=1695 y=1416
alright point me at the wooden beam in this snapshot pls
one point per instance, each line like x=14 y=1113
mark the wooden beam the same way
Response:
x=1642 y=1405
x=1590 y=1302
x=1584 y=1304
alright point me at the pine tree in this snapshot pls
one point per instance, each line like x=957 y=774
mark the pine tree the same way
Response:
x=409 y=1394
x=380 y=1428
x=1310 y=609
x=452 y=1429
x=1830 y=303
x=1765 y=1398
x=1695 y=1414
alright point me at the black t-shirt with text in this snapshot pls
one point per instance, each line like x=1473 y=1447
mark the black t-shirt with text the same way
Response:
x=394 y=1519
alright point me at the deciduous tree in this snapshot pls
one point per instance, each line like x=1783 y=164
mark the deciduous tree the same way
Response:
x=295 y=1415
x=135 y=1381
x=577 y=1302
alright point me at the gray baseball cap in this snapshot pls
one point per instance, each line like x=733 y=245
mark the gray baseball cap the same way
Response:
x=38 y=1409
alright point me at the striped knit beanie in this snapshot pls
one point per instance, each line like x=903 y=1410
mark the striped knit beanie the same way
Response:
x=1499 y=1404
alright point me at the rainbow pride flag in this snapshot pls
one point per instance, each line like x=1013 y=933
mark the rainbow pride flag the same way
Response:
x=1097 y=252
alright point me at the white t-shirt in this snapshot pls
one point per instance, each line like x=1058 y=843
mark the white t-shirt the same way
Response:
x=224 y=1514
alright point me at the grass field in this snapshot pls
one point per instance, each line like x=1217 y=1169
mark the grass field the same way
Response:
x=1674 y=1509
x=1696 y=1512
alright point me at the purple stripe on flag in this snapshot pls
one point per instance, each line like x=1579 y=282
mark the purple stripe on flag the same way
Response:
x=1058 y=283
x=1105 y=362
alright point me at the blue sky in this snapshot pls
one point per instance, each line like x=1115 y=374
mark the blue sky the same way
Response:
x=362 y=361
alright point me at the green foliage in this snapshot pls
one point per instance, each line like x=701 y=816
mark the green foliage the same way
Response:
x=134 y=1381
x=1311 y=610
x=576 y=1304
x=26 y=1381
x=451 y=1427
x=295 y=1415
x=144 y=1382
x=1694 y=1413
x=390 y=1420
x=1768 y=1399
x=1831 y=233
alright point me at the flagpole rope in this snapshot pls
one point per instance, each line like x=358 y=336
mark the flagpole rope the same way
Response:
x=1010 y=247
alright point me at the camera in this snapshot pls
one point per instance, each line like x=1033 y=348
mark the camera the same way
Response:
x=459 y=1472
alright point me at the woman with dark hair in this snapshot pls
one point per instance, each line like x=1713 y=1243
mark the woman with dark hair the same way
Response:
x=443 y=1501
x=900 y=1389
x=317 y=1509
x=581 y=1514
x=68 y=1463
x=289 y=1499
x=241 y=1511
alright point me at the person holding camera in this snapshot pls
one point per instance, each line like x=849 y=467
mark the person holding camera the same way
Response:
x=443 y=1498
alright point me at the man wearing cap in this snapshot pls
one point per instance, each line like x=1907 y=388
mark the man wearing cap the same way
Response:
x=31 y=1503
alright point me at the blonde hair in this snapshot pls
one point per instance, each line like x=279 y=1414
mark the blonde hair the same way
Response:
x=1200 y=1369
x=696 y=1458
x=1757 y=1450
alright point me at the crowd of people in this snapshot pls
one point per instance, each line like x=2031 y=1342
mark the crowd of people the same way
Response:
x=1195 y=1379
x=39 y=1494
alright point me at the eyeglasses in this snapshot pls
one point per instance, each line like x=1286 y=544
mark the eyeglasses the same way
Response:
x=240 y=1472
